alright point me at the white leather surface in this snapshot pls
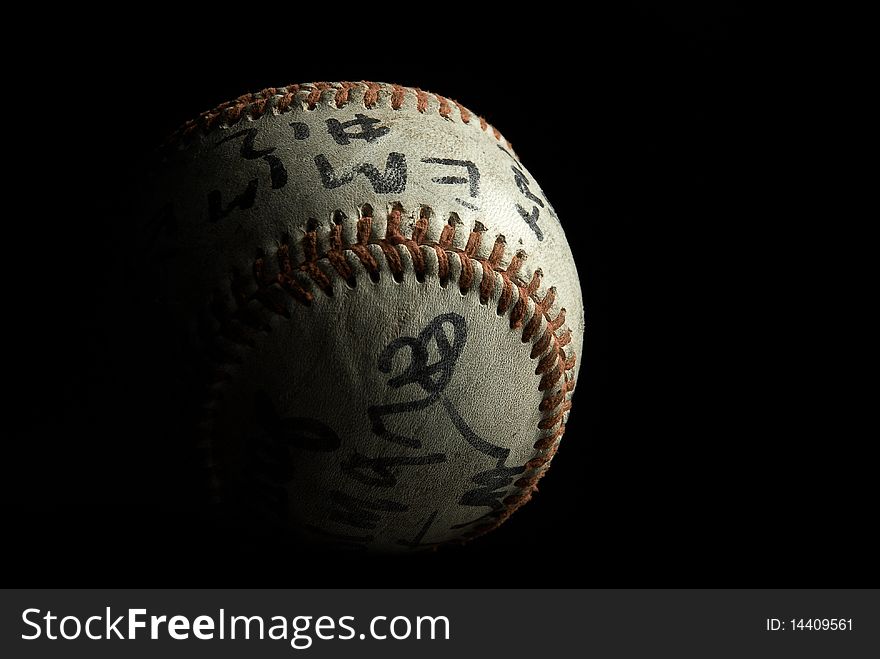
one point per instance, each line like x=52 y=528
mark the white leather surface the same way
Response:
x=322 y=363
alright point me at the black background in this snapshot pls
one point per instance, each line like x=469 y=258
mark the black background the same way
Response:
x=676 y=470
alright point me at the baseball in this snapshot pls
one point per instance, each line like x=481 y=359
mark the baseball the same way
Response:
x=383 y=304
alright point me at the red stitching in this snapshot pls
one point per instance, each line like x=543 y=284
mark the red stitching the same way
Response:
x=282 y=99
x=421 y=100
x=371 y=94
x=397 y=95
x=314 y=96
x=283 y=103
x=240 y=323
x=343 y=93
x=445 y=108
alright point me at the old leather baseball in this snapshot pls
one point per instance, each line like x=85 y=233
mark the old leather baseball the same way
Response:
x=386 y=306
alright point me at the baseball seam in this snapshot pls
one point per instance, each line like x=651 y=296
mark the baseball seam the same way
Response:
x=279 y=100
x=302 y=281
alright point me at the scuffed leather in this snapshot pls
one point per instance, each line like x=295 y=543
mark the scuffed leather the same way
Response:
x=290 y=408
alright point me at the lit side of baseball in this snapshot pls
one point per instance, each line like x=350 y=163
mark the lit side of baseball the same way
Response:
x=385 y=305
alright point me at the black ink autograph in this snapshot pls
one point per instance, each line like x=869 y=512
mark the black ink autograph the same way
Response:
x=529 y=215
x=391 y=180
x=271 y=464
x=433 y=378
